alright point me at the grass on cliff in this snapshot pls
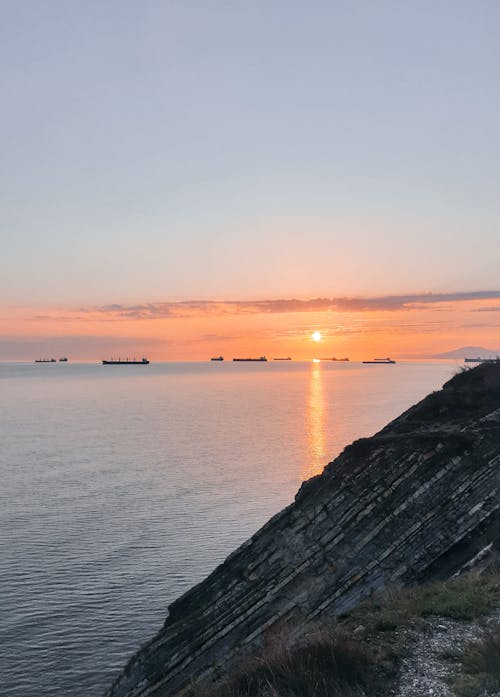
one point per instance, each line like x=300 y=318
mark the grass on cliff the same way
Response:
x=465 y=598
x=320 y=666
x=360 y=653
x=323 y=665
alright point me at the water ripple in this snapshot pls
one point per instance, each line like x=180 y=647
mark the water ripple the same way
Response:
x=122 y=490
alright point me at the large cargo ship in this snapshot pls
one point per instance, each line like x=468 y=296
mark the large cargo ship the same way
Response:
x=262 y=359
x=381 y=361
x=126 y=361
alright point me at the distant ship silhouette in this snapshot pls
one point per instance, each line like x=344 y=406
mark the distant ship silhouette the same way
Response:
x=126 y=361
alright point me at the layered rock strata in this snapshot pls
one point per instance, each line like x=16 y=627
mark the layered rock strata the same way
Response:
x=415 y=502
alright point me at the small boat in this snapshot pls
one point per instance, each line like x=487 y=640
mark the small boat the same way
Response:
x=126 y=361
x=481 y=360
x=45 y=360
x=262 y=359
x=217 y=358
x=282 y=359
x=381 y=361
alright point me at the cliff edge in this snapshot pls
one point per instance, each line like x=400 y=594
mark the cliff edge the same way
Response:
x=415 y=502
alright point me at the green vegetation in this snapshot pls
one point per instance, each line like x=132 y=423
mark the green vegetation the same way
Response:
x=465 y=598
x=363 y=649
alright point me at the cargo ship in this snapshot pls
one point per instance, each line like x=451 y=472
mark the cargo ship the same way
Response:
x=262 y=359
x=126 y=361
x=381 y=361
x=45 y=360
x=217 y=358
x=482 y=360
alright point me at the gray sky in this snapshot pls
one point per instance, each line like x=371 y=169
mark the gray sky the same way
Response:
x=162 y=151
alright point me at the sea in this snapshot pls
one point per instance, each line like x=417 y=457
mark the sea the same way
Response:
x=123 y=486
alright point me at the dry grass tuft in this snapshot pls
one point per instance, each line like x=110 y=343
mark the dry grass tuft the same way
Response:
x=322 y=666
x=359 y=653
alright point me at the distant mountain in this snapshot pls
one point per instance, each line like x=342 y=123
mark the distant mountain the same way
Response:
x=469 y=352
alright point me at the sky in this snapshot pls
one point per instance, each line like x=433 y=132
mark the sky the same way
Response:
x=185 y=178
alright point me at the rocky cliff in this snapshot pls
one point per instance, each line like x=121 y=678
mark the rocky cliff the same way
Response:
x=415 y=502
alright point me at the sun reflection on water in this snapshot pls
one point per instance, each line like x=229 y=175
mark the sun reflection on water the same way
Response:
x=315 y=424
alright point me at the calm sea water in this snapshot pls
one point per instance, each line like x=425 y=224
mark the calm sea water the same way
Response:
x=121 y=487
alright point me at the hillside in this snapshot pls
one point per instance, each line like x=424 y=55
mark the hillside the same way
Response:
x=469 y=352
x=413 y=504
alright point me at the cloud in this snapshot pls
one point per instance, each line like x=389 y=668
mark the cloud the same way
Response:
x=207 y=308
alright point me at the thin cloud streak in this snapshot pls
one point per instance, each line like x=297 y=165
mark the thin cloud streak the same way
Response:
x=216 y=308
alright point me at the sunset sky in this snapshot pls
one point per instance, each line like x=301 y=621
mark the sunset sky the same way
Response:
x=187 y=178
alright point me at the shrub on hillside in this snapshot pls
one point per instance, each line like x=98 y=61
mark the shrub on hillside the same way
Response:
x=322 y=666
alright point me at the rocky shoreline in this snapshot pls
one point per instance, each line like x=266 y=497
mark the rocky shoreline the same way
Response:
x=413 y=504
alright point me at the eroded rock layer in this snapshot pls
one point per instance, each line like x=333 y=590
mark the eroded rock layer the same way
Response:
x=414 y=502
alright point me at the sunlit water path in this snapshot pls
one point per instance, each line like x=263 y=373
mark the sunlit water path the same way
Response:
x=122 y=486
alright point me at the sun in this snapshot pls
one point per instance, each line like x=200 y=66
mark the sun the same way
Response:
x=316 y=336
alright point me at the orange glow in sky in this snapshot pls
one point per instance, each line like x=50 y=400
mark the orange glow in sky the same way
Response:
x=205 y=202
x=197 y=331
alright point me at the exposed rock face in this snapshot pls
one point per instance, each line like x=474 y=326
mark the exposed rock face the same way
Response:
x=415 y=502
